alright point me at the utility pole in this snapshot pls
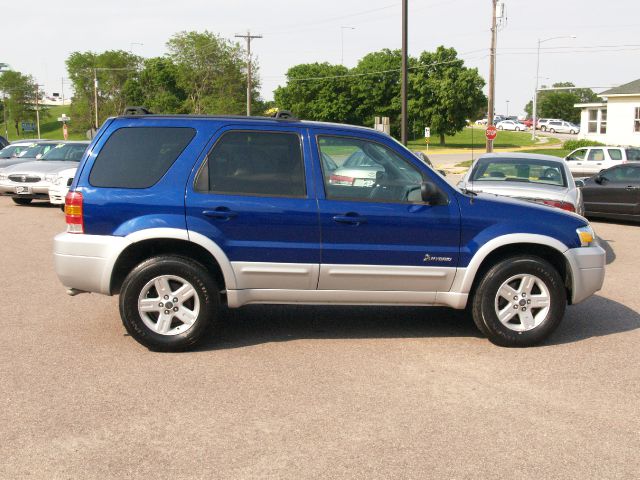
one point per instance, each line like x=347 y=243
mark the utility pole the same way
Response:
x=248 y=37
x=4 y=114
x=492 y=72
x=95 y=95
x=38 y=110
x=403 y=88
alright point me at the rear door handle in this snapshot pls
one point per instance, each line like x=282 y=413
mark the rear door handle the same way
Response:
x=350 y=219
x=221 y=213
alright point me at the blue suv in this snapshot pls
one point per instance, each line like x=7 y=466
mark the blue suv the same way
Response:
x=181 y=214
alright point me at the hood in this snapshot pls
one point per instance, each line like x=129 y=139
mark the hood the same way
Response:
x=7 y=162
x=40 y=167
x=519 y=190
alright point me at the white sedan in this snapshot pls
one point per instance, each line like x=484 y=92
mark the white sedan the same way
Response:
x=60 y=186
x=511 y=125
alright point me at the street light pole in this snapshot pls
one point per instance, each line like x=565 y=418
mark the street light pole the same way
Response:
x=342 y=42
x=492 y=73
x=403 y=87
x=507 y=108
x=535 y=92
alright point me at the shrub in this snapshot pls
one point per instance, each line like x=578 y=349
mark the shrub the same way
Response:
x=573 y=144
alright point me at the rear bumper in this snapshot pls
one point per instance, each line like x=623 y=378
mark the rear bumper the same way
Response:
x=587 y=271
x=85 y=262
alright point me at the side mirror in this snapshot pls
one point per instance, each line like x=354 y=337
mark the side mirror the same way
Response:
x=599 y=179
x=429 y=192
x=579 y=183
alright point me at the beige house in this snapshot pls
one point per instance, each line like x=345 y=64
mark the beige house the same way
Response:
x=615 y=120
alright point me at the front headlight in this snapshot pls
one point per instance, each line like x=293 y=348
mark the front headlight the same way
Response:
x=50 y=178
x=586 y=235
x=3 y=176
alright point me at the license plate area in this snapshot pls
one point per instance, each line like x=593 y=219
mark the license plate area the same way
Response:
x=23 y=190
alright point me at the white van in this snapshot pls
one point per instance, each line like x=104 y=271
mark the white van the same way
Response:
x=591 y=160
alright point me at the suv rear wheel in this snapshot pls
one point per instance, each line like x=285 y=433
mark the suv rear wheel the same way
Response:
x=519 y=302
x=167 y=303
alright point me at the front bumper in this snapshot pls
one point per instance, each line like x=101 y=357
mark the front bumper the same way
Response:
x=85 y=262
x=30 y=190
x=587 y=271
x=57 y=195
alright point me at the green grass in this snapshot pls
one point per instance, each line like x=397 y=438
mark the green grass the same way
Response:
x=50 y=127
x=463 y=139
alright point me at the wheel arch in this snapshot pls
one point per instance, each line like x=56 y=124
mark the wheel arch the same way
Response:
x=498 y=249
x=140 y=249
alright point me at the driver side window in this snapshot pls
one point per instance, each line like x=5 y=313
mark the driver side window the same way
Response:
x=577 y=155
x=367 y=171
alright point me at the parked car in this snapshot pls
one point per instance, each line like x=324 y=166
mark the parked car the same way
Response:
x=536 y=178
x=560 y=126
x=3 y=142
x=511 y=125
x=528 y=122
x=613 y=193
x=590 y=160
x=542 y=123
x=190 y=212
x=60 y=186
x=30 y=181
x=10 y=154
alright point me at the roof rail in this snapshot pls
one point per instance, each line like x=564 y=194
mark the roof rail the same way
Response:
x=284 y=115
x=136 y=111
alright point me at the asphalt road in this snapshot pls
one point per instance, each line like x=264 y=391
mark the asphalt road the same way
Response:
x=311 y=392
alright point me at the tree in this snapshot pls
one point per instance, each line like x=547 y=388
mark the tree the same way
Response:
x=444 y=93
x=20 y=91
x=156 y=87
x=113 y=69
x=314 y=93
x=560 y=103
x=209 y=70
x=376 y=89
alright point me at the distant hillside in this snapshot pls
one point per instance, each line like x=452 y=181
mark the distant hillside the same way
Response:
x=50 y=127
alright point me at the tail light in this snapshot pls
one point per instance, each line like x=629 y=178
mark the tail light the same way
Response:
x=341 y=180
x=73 y=212
x=570 y=207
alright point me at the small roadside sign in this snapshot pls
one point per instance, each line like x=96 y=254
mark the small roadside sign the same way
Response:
x=28 y=127
x=64 y=118
x=427 y=132
x=491 y=132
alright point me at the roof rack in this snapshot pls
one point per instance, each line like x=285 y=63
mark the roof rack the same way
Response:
x=136 y=111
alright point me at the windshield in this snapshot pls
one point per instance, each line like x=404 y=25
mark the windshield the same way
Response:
x=71 y=152
x=522 y=170
x=37 y=149
x=13 y=150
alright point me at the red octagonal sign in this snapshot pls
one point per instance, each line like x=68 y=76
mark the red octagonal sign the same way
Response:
x=491 y=132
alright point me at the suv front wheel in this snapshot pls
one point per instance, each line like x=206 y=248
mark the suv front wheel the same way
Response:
x=167 y=303
x=519 y=302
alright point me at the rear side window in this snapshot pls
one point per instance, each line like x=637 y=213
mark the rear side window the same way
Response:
x=254 y=163
x=138 y=157
x=615 y=154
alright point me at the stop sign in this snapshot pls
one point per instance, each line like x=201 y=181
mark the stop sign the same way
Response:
x=491 y=132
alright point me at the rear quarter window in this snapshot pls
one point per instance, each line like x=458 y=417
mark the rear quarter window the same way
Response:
x=137 y=157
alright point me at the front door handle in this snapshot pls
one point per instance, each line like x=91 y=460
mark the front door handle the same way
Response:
x=350 y=219
x=221 y=213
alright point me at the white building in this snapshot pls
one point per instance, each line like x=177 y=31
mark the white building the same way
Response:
x=615 y=120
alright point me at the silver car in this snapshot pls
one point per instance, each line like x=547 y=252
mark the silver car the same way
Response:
x=30 y=181
x=537 y=178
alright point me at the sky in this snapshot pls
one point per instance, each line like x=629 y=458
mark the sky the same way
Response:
x=604 y=53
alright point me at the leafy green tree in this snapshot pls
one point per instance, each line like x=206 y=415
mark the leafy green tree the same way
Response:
x=444 y=93
x=113 y=69
x=315 y=91
x=20 y=91
x=560 y=103
x=210 y=71
x=156 y=87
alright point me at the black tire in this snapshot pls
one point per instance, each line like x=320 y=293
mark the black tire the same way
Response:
x=483 y=307
x=517 y=129
x=21 y=201
x=572 y=132
x=207 y=294
x=543 y=128
x=62 y=207
x=500 y=128
x=552 y=131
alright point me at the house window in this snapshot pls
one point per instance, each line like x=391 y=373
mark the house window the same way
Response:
x=603 y=120
x=593 y=121
x=636 y=121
